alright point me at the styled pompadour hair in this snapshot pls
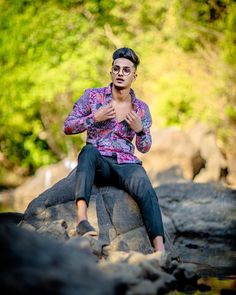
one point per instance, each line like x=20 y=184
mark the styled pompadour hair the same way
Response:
x=127 y=53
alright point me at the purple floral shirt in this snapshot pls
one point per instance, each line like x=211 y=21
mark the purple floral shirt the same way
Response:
x=109 y=137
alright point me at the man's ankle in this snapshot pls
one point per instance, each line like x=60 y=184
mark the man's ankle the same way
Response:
x=84 y=228
x=81 y=219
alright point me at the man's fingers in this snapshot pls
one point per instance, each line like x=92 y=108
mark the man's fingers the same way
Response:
x=111 y=116
x=111 y=112
x=109 y=106
x=130 y=117
x=134 y=114
x=110 y=109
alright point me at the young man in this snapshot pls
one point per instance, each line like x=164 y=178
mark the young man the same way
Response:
x=113 y=116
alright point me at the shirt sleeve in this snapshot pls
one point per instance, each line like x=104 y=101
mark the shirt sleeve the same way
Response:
x=144 y=140
x=81 y=117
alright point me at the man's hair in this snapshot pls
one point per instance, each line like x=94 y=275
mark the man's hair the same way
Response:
x=127 y=53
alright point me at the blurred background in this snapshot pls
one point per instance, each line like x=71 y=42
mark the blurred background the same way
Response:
x=51 y=51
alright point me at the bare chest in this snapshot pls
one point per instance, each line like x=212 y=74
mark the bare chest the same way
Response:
x=122 y=109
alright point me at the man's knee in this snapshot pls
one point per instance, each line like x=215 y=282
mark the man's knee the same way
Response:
x=89 y=150
x=138 y=183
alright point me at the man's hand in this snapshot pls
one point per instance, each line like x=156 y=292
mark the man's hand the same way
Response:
x=104 y=113
x=134 y=121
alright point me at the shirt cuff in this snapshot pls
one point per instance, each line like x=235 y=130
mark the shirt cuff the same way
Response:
x=89 y=121
x=140 y=133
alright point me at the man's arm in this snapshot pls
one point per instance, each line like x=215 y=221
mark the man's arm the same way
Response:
x=143 y=138
x=81 y=117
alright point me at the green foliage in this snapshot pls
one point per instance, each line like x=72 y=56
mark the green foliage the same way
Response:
x=177 y=99
x=50 y=51
x=229 y=40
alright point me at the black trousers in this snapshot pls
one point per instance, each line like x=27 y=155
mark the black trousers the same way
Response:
x=95 y=168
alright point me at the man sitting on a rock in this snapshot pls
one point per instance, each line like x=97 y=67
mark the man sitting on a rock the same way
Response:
x=113 y=116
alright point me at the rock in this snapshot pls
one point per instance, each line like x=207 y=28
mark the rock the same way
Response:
x=204 y=288
x=205 y=211
x=135 y=277
x=185 y=274
x=34 y=264
x=120 y=256
x=10 y=217
x=122 y=273
x=145 y=287
x=199 y=209
x=215 y=164
x=172 y=175
x=113 y=213
x=37 y=264
x=44 y=178
x=231 y=176
x=188 y=208
x=214 y=256
x=178 y=155
x=56 y=228
x=172 y=148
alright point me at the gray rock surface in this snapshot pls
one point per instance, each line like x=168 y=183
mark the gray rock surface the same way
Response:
x=10 y=217
x=172 y=147
x=188 y=209
x=111 y=211
x=204 y=211
x=199 y=209
x=231 y=177
x=214 y=256
x=205 y=141
x=33 y=264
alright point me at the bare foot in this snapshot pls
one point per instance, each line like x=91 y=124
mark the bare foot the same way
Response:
x=158 y=244
x=157 y=255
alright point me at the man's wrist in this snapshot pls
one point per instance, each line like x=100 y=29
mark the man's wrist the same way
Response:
x=89 y=120
x=140 y=133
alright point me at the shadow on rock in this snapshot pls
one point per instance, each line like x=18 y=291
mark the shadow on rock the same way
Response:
x=34 y=264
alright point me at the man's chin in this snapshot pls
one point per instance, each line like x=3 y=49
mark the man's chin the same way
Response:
x=119 y=86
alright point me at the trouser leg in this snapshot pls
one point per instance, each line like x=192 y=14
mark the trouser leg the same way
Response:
x=133 y=178
x=91 y=166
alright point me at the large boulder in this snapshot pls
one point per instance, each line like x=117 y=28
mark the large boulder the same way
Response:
x=188 y=208
x=199 y=209
x=111 y=211
x=195 y=152
x=172 y=147
x=215 y=166
x=231 y=177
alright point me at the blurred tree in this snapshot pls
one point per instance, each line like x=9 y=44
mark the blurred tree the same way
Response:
x=50 y=51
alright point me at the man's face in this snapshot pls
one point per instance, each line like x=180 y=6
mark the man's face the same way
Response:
x=123 y=73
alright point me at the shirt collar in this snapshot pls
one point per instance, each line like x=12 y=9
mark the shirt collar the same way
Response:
x=108 y=91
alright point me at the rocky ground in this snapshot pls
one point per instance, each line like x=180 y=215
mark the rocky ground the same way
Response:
x=40 y=252
x=43 y=252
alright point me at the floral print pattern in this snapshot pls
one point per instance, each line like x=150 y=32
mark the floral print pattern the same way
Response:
x=109 y=137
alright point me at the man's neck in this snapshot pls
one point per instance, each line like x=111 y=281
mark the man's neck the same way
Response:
x=120 y=95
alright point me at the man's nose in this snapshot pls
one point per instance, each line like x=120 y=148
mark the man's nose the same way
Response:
x=120 y=72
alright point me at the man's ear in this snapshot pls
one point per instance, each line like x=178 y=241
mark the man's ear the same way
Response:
x=135 y=76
